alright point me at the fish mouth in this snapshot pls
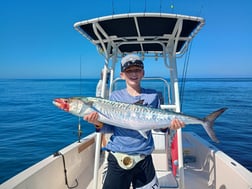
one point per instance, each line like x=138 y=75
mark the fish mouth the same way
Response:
x=62 y=103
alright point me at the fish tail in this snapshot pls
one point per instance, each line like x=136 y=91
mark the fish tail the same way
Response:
x=208 y=123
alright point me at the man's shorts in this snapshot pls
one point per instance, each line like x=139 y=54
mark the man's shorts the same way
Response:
x=141 y=176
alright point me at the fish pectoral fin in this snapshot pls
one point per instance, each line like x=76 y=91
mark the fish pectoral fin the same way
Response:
x=143 y=133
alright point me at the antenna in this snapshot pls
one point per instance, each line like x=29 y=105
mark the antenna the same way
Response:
x=113 y=8
x=129 y=6
x=160 y=6
x=172 y=6
x=145 y=6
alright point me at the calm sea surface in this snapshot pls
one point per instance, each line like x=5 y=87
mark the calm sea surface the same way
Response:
x=32 y=128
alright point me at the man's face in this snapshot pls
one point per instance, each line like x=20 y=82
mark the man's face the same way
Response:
x=133 y=75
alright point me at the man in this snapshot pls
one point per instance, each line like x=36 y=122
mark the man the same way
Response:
x=129 y=159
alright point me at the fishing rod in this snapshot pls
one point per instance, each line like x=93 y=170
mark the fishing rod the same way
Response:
x=79 y=131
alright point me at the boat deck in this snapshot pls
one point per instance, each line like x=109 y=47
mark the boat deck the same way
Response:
x=196 y=176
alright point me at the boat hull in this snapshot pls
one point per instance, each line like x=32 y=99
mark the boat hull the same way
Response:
x=211 y=169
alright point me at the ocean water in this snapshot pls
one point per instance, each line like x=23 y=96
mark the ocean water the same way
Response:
x=32 y=128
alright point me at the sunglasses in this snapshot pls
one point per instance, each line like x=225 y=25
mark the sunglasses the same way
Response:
x=138 y=63
x=137 y=70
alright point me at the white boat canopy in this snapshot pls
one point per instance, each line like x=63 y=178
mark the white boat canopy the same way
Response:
x=152 y=33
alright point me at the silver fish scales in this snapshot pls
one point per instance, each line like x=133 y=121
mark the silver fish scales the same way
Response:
x=133 y=116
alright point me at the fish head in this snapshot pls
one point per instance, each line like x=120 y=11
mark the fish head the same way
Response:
x=62 y=103
x=77 y=106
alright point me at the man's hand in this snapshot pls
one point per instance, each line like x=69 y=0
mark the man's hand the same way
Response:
x=176 y=124
x=93 y=118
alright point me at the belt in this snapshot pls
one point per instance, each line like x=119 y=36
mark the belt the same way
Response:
x=127 y=161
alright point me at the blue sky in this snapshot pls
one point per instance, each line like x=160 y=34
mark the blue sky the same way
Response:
x=37 y=38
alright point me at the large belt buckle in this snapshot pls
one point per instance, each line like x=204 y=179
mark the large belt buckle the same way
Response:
x=127 y=161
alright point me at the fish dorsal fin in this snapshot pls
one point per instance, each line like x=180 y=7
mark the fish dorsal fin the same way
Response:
x=139 y=102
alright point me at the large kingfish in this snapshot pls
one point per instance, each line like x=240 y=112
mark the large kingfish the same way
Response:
x=133 y=116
